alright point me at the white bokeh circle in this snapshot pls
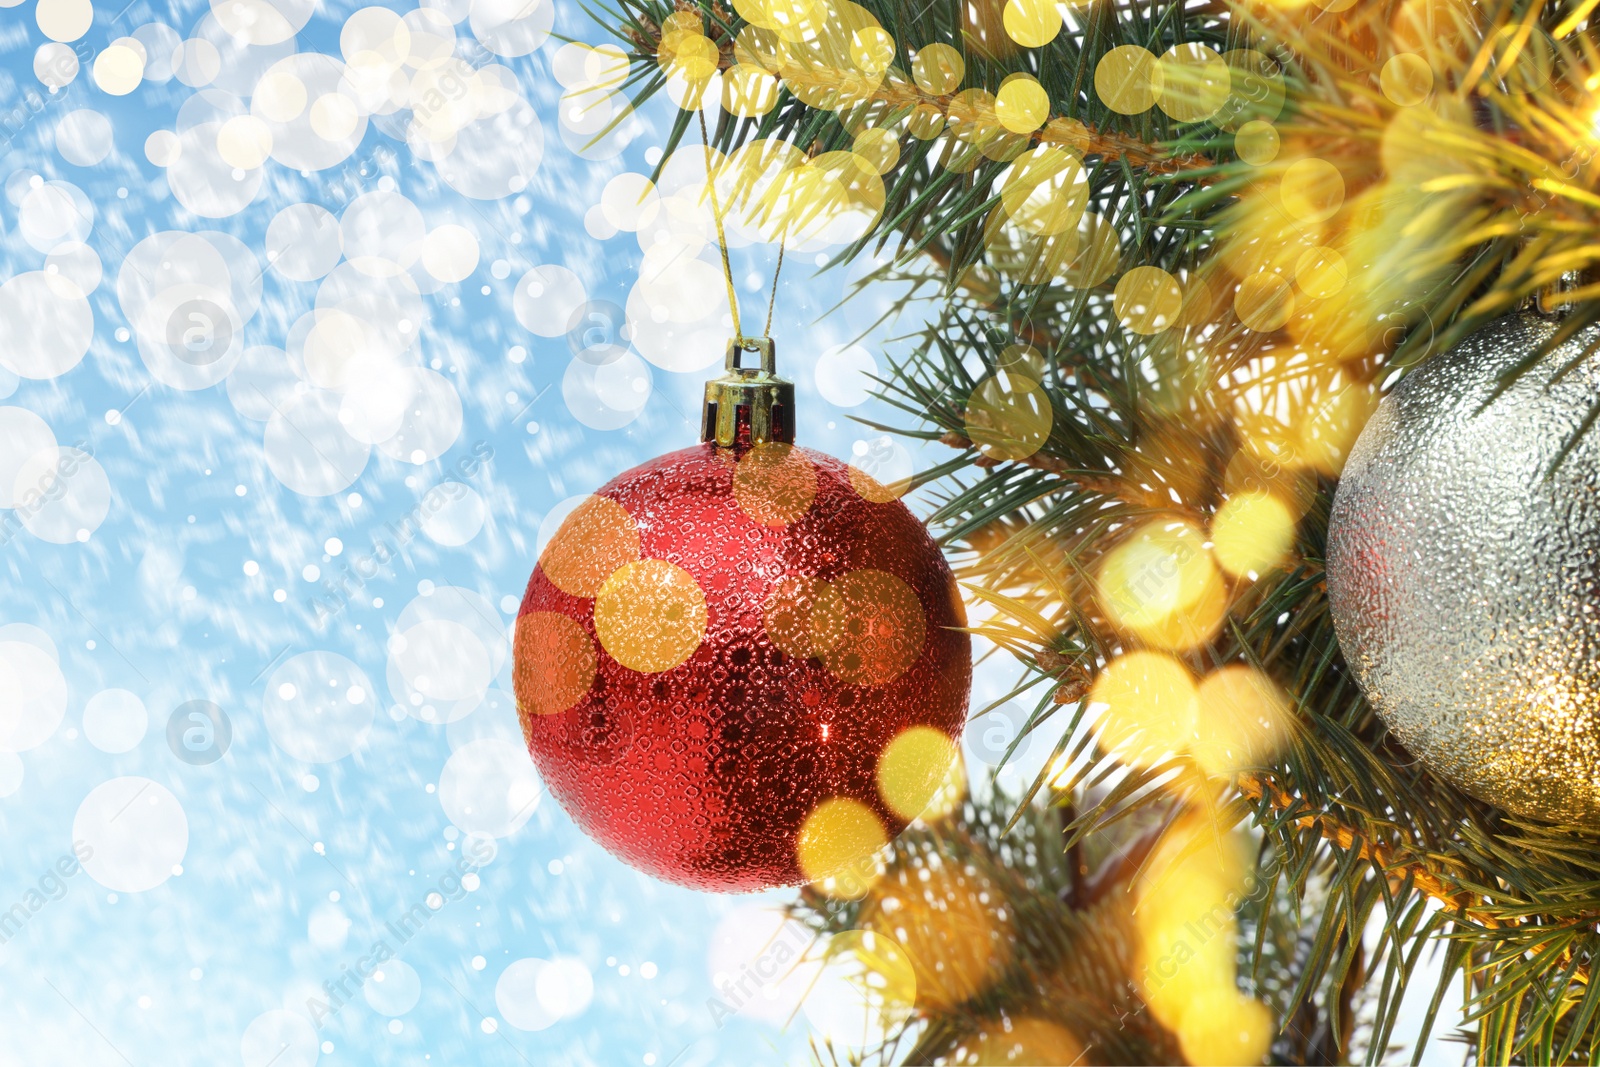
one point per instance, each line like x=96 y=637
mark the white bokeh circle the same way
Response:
x=83 y=137
x=446 y=649
x=534 y=994
x=205 y=182
x=304 y=242
x=33 y=695
x=22 y=435
x=11 y=773
x=46 y=325
x=546 y=298
x=512 y=27
x=494 y=717
x=393 y=988
x=308 y=450
x=452 y=514
x=844 y=375
x=495 y=156
x=489 y=787
x=136 y=832
x=62 y=495
x=516 y=994
x=431 y=421
x=263 y=21
x=279 y=1039
x=115 y=720
x=76 y=262
x=607 y=396
x=319 y=707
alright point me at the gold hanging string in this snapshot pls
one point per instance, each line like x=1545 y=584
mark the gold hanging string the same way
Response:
x=722 y=238
x=772 y=300
x=722 y=244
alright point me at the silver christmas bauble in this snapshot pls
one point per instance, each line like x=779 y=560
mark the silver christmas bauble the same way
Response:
x=1464 y=577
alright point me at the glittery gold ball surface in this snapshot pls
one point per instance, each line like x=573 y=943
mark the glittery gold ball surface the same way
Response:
x=735 y=670
x=1465 y=578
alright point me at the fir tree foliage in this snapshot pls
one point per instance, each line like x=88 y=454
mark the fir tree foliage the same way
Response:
x=1312 y=198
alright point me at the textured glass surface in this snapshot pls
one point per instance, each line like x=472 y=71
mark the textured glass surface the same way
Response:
x=1463 y=573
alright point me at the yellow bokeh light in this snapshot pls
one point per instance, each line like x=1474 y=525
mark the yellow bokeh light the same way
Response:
x=119 y=69
x=1326 y=436
x=1312 y=190
x=1187 y=946
x=1250 y=472
x=1244 y=720
x=866 y=483
x=1257 y=143
x=1021 y=359
x=868 y=627
x=775 y=484
x=1009 y=416
x=938 y=69
x=1022 y=105
x=280 y=96
x=1199 y=302
x=1045 y=191
x=925 y=122
x=1196 y=865
x=1194 y=82
x=1031 y=23
x=1028 y=1040
x=1148 y=300
x=872 y=49
x=1184 y=915
x=1149 y=707
x=1252 y=533
x=749 y=91
x=1264 y=302
x=245 y=142
x=1098 y=255
x=880 y=148
x=757 y=46
x=913 y=767
x=1032 y=259
x=555 y=663
x=650 y=615
x=1321 y=272
x=682 y=21
x=840 y=834
x=690 y=55
x=334 y=116
x=1161 y=586
x=1128 y=79
x=597 y=538
x=835 y=196
x=1221 y=1027
x=820 y=38
x=1406 y=79
x=946 y=918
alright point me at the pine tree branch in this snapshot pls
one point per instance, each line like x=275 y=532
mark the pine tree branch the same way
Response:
x=898 y=95
x=1396 y=865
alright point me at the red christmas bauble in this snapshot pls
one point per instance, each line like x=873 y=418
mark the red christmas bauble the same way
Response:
x=737 y=671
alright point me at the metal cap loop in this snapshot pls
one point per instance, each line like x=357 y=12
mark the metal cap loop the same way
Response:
x=748 y=406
